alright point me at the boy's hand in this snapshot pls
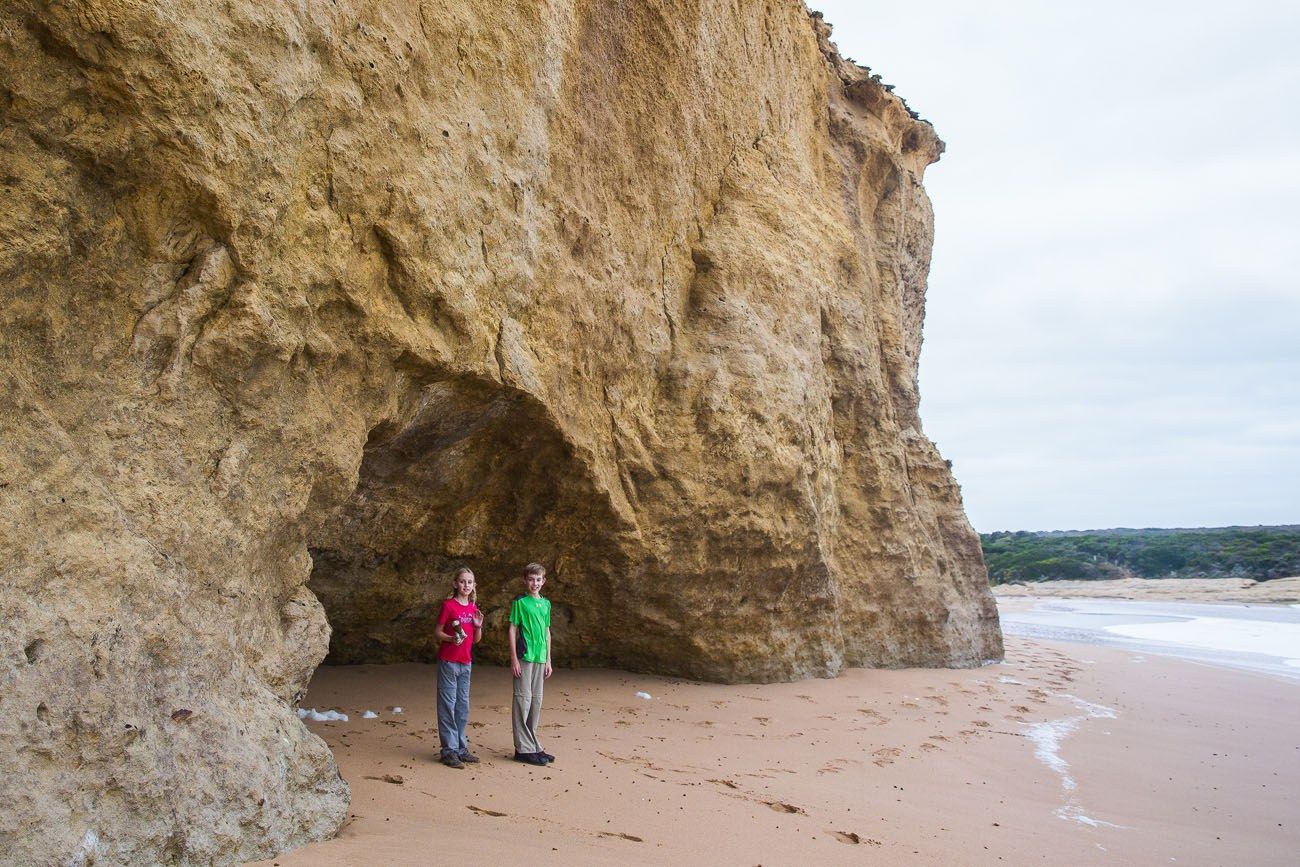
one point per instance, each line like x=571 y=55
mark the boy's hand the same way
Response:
x=546 y=672
x=515 y=668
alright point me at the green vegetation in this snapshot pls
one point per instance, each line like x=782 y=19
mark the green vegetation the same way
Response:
x=1261 y=553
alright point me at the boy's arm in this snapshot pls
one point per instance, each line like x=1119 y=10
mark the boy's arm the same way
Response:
x=514 y=654
x=546 y=672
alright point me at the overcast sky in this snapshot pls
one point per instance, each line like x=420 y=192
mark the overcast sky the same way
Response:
x=1113 y=325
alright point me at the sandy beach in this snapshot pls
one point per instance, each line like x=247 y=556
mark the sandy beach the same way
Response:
x=1282 y=591
x=1063 y=754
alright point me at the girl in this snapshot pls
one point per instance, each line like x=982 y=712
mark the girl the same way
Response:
x=460 y=625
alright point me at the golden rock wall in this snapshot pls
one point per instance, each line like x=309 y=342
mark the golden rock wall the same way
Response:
x=310 y=302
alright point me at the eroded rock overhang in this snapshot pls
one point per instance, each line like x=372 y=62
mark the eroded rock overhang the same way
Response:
x=317 y=297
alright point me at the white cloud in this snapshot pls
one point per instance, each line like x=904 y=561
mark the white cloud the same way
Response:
x=1115 y=296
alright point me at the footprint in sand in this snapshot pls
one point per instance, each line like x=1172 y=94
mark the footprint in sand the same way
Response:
x=763 y=720
x=886 y=755
x=938 y=738
x=834 y=766
x=937 y=699
x=981 y=723
x=929 y=748
x=876 y=717
x=783 y=807
x=910 y=704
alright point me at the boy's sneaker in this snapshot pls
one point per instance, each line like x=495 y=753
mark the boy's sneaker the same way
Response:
x=530 y=758
x=469 y=758
x=546 y=757
x=452 y=760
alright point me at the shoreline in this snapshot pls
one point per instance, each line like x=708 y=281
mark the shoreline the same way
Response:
x=1063 y=753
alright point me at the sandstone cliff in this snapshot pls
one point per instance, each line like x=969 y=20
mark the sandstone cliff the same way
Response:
x=333 y=296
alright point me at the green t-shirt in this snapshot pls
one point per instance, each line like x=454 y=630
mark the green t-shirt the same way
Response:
x=533 y=617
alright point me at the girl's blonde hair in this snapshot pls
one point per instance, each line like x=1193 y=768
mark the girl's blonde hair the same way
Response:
x=473 y=594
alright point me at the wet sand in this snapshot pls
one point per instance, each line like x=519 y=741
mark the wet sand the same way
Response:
x=1062 y=754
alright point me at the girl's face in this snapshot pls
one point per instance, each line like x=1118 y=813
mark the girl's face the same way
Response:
x=464 y=583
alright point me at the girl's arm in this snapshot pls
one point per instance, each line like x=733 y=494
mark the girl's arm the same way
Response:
x=547 y=671
x=437 y=628
x=478 y=625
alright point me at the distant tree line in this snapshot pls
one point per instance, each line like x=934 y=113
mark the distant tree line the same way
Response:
x=1261 y=553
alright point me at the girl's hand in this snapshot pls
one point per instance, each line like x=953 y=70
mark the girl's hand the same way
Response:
x=546 y=672
x=515 y=668
x=478 y=619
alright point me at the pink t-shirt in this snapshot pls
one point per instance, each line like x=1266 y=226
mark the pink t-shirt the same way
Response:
x=452 y=610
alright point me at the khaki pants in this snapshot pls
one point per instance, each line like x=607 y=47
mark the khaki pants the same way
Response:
x=526 y=710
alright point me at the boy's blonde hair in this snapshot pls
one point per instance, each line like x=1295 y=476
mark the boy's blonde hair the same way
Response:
x=535 y=569
x=473 y=594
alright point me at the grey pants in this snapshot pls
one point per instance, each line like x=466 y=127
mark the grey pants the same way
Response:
x=453 y=706
x=526 y=711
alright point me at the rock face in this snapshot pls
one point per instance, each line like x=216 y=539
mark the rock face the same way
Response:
x=334 y=296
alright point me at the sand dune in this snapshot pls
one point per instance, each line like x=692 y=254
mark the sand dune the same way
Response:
x=1062 y=754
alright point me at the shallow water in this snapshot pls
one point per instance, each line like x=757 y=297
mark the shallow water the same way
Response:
x=1264 y=639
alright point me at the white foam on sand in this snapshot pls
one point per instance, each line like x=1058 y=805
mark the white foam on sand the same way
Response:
x=1072 y=813
x=370 y=714
x=1219 y=633
x=1047 y=738
x=327 y=716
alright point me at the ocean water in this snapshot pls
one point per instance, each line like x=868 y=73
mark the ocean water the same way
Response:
x=1261 y=638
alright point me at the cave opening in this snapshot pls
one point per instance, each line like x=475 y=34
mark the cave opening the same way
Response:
x=466 y=472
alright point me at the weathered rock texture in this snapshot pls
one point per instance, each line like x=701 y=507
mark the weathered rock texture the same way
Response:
x=356 y=292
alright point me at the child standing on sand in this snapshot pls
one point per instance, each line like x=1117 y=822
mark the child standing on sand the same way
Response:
x=460 y=626
x=530 y=662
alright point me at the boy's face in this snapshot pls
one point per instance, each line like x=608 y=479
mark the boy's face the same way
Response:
x=534 y=583
x=465 y=584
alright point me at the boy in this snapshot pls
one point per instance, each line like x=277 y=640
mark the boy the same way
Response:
x=530 y=662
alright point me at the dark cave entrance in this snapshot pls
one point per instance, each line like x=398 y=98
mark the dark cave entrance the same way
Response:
x=467 y=473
